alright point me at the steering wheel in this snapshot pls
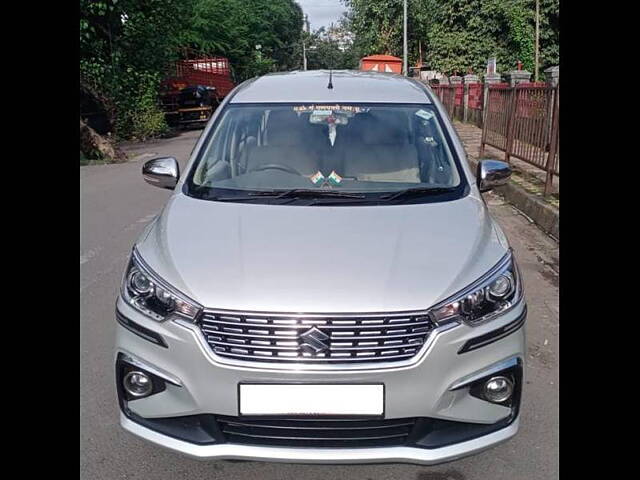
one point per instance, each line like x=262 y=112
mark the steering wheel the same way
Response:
x=277 y=166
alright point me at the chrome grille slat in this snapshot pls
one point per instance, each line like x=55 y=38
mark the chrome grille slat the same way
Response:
x=357 y=348
x=303 y=359
x=341 y=338
x=261 y=352
x=325 y=327
x=315 y=338
x=258 y=347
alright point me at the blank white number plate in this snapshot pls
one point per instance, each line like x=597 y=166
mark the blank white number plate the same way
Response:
x=311 y=399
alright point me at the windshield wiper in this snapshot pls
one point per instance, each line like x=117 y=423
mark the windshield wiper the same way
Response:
x=408 y=192
x=293 y=193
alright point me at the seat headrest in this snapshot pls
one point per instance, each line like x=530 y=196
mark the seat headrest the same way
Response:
x=285 y=129
x=384 y=128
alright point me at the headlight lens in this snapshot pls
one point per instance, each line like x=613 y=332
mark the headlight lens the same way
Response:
x=501 y=286
x=150 y=295
x=493 y=294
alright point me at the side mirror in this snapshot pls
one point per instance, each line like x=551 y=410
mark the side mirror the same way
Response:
x=491 y=174
x=161 y=172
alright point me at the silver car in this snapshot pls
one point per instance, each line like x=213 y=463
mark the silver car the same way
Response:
x=325 y=284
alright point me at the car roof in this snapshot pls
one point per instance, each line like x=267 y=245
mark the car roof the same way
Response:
x=349 y=86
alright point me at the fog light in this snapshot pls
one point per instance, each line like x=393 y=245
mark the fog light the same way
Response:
x=137 y=384
x=498 y=389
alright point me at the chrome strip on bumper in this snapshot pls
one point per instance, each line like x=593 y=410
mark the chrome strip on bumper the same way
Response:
x=128 y=358
x=324 y=455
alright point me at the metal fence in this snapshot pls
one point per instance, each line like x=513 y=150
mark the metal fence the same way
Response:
x=523 y=122
x=452 y=98
x=475 y=96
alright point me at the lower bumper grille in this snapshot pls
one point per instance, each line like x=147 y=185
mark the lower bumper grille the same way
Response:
x=208 y=429
x=344 y=433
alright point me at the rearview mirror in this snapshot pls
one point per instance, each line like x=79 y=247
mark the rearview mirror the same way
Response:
x=491 y=174
x=162 y=172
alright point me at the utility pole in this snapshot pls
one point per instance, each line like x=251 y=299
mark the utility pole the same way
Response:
x=305 y=28
x=537 y=37
x=304 y=57
x=405 y=66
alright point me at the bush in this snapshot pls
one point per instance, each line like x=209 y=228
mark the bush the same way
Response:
x=137 y=114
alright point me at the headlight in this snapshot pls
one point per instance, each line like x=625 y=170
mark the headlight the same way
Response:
x=493 y=294
x=146 y=292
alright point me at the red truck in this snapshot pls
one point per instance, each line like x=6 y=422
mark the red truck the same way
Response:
x=194 y=89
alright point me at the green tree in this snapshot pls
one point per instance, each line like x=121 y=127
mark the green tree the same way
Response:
x=457 y=35
x=233 y=28
x=462 y=34
x=125 y=45
x=330 y=49
x=377 y=25
x=549 y=33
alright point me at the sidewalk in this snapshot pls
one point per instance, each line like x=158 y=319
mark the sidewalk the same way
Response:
x=525 y=190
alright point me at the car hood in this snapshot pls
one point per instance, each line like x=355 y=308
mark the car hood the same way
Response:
x=283 y=258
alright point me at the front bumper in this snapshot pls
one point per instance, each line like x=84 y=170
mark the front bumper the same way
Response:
x=227 y=451
x=194 y=115
x=428 y=388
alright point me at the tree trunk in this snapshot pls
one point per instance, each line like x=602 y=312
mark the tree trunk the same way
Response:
x=93 y=145
x=100 y=99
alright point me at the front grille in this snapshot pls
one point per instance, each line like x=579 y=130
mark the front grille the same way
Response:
x=315 y=339
x=345 y=433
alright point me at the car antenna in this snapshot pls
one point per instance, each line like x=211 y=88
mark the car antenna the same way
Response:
x=330 y=86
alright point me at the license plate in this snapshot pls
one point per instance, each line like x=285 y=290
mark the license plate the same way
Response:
x=272 y=399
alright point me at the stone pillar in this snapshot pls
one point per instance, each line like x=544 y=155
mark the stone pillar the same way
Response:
x=471 y=78
x=552 y=76
x=454 y=80
x=468 y=79
x=492 y=78
x=489 y=79
x=515 y=77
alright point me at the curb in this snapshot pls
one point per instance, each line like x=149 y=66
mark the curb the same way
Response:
x=542 y=214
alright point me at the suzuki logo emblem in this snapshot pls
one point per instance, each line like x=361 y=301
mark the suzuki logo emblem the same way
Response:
x=313 y=341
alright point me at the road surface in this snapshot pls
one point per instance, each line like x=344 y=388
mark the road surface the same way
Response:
x=115 y=206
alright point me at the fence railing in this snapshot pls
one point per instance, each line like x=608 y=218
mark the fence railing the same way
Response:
x=523 y=122
x=452 y=98
x=475 y=97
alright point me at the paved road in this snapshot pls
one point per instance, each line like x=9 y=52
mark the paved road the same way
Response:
x=115 y=206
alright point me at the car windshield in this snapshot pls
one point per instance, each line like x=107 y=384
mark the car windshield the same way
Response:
x=354 y=152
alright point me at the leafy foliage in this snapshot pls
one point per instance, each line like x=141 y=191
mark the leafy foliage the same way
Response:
x=234 y=28
x=458 y=35
x=549 y=33
x=377 y=25
x=325 y=51
x=124 y=47
x=127 y=45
